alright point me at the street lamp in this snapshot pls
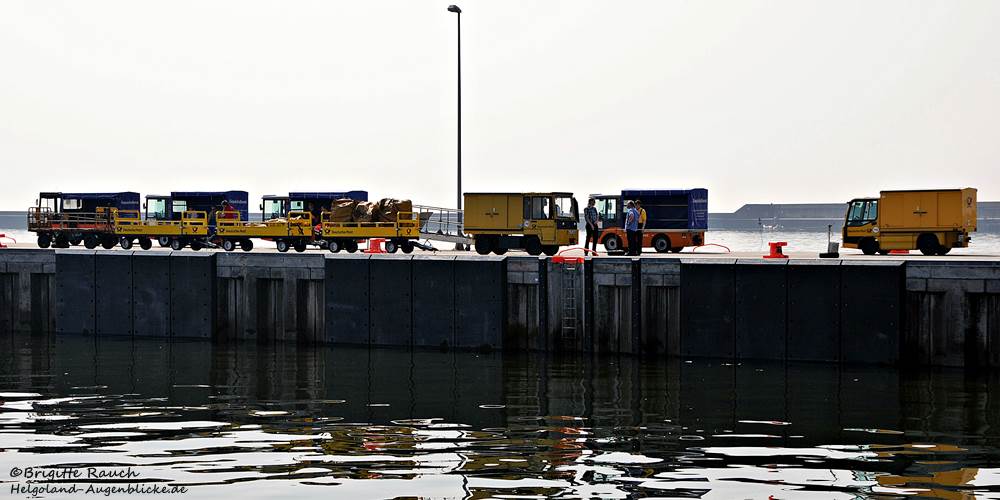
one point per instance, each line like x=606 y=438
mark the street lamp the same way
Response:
x=458 y=11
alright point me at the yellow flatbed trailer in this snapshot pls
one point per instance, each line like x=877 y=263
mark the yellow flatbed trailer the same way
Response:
x=293 y=231
x=192 y=229
x=345 y=235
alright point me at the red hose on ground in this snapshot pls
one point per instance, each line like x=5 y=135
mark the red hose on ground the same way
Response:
x=712 y=245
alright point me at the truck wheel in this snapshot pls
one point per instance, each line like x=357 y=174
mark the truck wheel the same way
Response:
x=61 y=241
x=484 y=244
x=108 y=242
x=613 y=243
x=299 y=246
x=928 y=244
x=196 y=245
x=91 y=241
x=333 y=246
x=164 y=241
x=176 y=243
x=145 y=243
x=44 y=240
x=282 y=245
x=661 y=243
x=75 y=240
x=676 y=249
x=351 y=246
x=868 y=246
x=943 y=250
x=390 y=246
x=407 y=246
x=550 y=250
x=125 y=242
x=228 y=245
x=499 y=250
x=246 y=244
x=532 y=245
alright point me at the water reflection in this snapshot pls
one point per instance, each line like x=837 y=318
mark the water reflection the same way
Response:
x=282 y=420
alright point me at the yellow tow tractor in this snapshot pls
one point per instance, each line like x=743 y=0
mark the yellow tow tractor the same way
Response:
x=292 y=230
x=536 y=222
x=933 y=221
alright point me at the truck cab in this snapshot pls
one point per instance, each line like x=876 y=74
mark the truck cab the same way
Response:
x=861 y=225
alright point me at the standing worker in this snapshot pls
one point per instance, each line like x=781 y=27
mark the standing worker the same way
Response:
x=642 y=225
x=591 y=218
x=631 y=227
x=229 y=211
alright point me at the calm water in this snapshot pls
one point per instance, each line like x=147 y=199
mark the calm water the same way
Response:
x=265 y=422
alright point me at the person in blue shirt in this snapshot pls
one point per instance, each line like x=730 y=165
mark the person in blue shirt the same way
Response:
x=632 y=229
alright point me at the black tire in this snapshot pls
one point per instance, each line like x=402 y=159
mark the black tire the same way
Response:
x=125 y=242
x=44 y=240
x=163 y=241
x=550 y=250
x=882 y=251
x=661 y=243
x=351 y=246
x=246 y=244
x=613 y=243
x=176 y=244
x=499 y=250
x=60 y=241
x=228 y=245
x=109 y=242
x=407 y=246
x=333 y=246
x=943 y=250
x=299 y=246
x=483 y=244
x=196 y=245
x=282 y=245
x=145 y=243
x=676 y=249
x=390 y=246
x=91 y=241
x=532 y=245
x=868 y=246
x=76 y=239
x=928 y=244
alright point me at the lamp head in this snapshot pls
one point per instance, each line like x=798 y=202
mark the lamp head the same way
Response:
x=455 y=9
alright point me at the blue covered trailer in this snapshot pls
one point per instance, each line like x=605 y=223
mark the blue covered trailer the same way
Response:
x=675 y=218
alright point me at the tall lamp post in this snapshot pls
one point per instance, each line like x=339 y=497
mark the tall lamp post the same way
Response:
x=458 y=17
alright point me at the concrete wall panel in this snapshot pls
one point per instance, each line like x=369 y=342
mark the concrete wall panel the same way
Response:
x=480 y=284
x=814 y=310
x=761 y=301
x=391 y=300
x=113 y=300
x=75 y=292
x=871 y=311
x=434 y=301
x=707 y=308
x=192 y=294
x=348 y=305
x=151 y=294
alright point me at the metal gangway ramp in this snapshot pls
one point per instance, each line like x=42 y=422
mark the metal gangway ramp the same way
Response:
x=442 y=224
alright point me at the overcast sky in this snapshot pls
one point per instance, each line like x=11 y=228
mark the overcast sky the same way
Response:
x=779 y=101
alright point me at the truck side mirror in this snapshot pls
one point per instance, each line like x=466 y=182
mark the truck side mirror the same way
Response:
x=262 y=206
x=143 y=206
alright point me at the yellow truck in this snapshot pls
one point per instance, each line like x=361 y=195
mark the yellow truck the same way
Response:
x=536 y=222
x=933 y=221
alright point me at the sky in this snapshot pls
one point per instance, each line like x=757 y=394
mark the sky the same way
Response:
x=759 y=101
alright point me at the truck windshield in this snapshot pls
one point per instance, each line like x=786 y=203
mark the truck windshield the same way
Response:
x=608 y=209
x=272 y=209
x=157 y=208
x=862 y=212
x=564 y=206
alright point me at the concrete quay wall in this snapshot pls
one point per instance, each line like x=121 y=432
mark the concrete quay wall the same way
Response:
x=940 y=312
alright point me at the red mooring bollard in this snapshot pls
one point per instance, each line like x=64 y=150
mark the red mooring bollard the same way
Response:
x=776 y=250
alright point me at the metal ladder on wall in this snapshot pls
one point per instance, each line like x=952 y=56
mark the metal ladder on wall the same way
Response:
x=572 y=267
x=570 y=309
